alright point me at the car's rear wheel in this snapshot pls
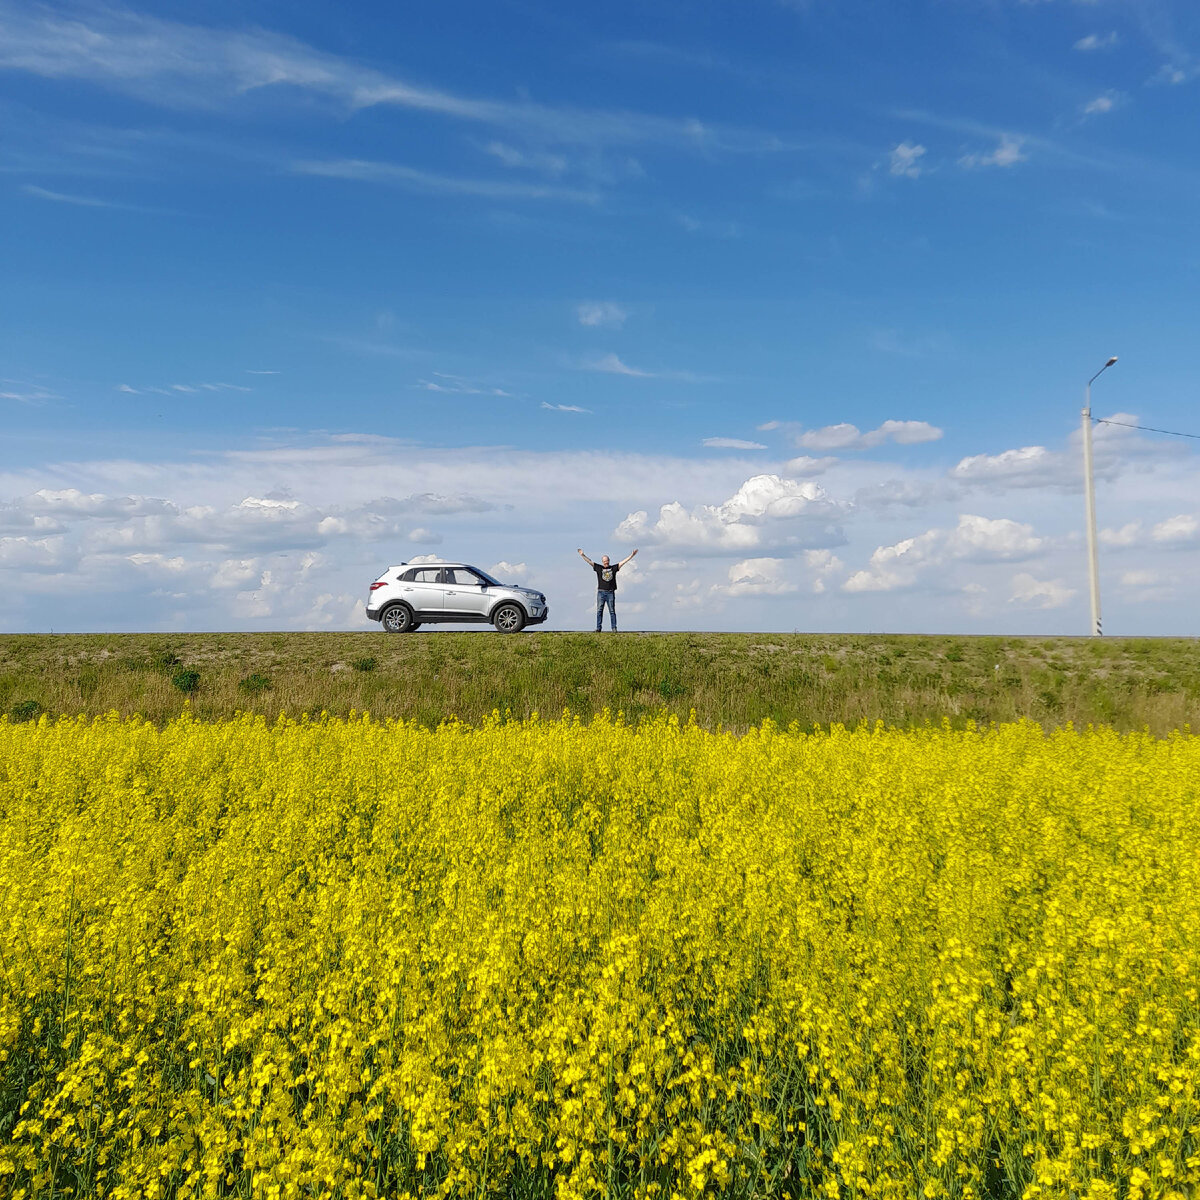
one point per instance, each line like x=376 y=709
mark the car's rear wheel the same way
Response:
x=397 y=618
x=509 y=618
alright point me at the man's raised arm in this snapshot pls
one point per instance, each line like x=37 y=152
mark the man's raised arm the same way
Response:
x=588 y=560
x=626 y=559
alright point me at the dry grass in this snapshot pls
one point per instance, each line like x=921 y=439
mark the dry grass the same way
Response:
x=731 y=680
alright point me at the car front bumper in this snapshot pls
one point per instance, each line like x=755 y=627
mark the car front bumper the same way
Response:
x=540 y=618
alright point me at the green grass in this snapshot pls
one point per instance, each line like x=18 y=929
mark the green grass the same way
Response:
x=731 y=680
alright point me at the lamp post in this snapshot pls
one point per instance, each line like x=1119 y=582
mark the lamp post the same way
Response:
x=1089 y=491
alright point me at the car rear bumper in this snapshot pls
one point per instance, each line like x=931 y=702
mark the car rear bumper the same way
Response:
x=375 y=614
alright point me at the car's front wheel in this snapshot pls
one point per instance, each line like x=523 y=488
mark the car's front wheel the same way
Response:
x=509 y=618
x=397 y=618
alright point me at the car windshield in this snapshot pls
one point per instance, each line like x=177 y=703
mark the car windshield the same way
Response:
x=486 y=577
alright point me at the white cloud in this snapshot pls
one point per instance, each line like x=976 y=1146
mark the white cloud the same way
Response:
x=160 y=562
x=974 y=539
x=905 y=160
x=178 y=65
x=235 y=572
x=725 y=443
x=849 y=437
x=1127 y=535
x=757 y=577
x=1101 y=104
x=1006 y=154
x=1140 y=579
x=456 y=385
x=601 y=314
x=334 y=526
x=1040 y=593
x=567 y=408
x=417 y=179
x=610 y=364
x=1030 y=465
x=1097 y=41
x=823 y=564
x=805 y=467
x=1176 y=531
x=740 y=523
x=32 y=554
x=508 y=572
x=424 y=537
x=510 y=156
x=722 y=230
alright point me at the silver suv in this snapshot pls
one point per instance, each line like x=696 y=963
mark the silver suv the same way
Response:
x=406 y=597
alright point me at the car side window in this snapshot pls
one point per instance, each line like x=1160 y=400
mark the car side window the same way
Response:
x=461 y=577
x=409 y=575
x=427 y=575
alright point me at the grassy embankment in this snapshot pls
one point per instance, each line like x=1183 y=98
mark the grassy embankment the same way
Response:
x=732 y=680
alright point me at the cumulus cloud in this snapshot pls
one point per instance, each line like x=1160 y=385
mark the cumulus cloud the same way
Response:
x=823 y=564
x=506 y=571
x=1117 y=539
x=905 y=160
x=845 y=436
x=605 y=314
x=1176 y=531
x=757 y=577
x=974 y=539
x=805 y=467
x=743 y=522
x=1027 y=466
x=1040 y=593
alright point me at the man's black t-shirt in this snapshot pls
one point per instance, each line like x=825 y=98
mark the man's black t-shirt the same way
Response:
x=606 y=577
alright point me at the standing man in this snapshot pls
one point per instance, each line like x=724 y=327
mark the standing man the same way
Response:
x=606 y=587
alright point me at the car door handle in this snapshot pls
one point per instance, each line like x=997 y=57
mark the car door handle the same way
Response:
x=451 y=593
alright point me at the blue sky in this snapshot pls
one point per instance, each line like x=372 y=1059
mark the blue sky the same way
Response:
x=799 y=298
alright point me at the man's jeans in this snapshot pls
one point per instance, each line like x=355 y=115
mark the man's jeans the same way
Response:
x=610 y=599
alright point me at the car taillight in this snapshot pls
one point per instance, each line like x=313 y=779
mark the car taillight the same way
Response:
x=378 y=584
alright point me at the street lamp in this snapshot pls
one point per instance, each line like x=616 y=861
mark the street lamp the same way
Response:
x=1089 y=491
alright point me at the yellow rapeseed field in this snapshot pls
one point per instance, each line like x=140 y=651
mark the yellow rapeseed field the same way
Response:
x=353 y=958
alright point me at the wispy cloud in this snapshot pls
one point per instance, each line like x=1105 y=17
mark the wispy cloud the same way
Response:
x=41 y=193
x=610 y=364
x=178 y=65
x=185 y=388
x=250 y=372
x=567 y=408
x=1097 y=41
x=1101 y=104
x=532 y=160
x=1007 y=153
x=604 y=313
x=32 y=396
x=905 y=160
x=705 y=228
x=726 y=443
x=456 y=385
x=415 y=179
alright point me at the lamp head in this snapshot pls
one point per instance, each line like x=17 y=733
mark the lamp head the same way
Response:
x=1111 y=361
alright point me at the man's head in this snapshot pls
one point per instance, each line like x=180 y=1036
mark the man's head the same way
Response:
x=604 y=561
